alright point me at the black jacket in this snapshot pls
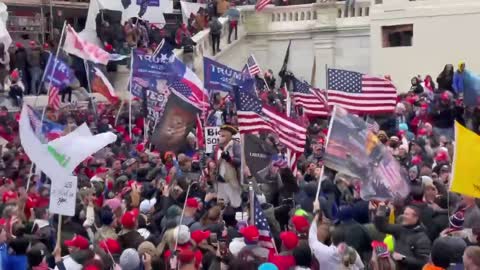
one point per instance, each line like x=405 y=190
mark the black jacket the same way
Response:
x=357 y=237
x=410 y=241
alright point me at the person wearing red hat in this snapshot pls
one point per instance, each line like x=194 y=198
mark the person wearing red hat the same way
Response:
x=100 y=175
x=129 y=237
x=251 y=250
x=285 y=260
x=77 y=243
x=300 y=226
x=111 y=246
x=200 y=237
x=17 y=87
x=190 y=211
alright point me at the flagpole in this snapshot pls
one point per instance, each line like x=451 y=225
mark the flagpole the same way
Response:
x=130 y=97
x=119 y=111
x=48 y=94
x=326 y=144
x=289 y=108
x=263 y=75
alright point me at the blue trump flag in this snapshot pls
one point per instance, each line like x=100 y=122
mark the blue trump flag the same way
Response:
x=220 y=77
x=58 y=73
x=471 y=86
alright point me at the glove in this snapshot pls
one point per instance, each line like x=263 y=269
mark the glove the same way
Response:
x=226 y=156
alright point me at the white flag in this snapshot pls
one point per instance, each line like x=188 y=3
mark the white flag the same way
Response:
x=60 y=157
x=75 y=45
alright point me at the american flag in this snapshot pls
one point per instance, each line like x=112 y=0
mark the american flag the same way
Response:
x=54 y=98
x=184 y=92
x=45 y=130
x=313 y=101
x=261 y=4
x=360 y=93
x=253 y=67
x=255 y=117
x=260 y=221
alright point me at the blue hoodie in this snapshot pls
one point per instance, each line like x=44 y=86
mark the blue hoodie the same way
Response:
x=3 y=256
x=457 y=83
x=15 y=262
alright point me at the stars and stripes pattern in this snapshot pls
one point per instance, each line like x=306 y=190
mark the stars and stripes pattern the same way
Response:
x=253 y=67
x=261 y=4
x=185 y=92
x=54 y=98
x=260 y=221
x=255 y=117
x=312 y=101
x=360 y=93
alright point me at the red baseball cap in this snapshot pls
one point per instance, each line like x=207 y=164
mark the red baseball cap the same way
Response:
x=101 y=170
x=140 y=147
x=416 y=160
x=441 y=156
x=136 y=131
x=77 y=241
x=422 y=132
x=445 y=96
x=9 y=195
x=300 y=223
x=198 y=236
x=129 y=219
x=110 y=245
x=289 y=239
x=192 y=203
x=250 y=233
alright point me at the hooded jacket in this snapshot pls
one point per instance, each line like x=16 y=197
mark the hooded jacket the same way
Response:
x=410 y=241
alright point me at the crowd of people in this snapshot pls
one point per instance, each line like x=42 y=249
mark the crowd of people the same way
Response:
x=138 y=208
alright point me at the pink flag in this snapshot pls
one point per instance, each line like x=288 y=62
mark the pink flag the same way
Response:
x=75 y=45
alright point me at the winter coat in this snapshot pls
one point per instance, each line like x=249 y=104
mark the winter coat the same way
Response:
x=215 y=27
x=457 y=83
x=357 y=237
x=410 y=241
x=35 y=58
x=21 y=59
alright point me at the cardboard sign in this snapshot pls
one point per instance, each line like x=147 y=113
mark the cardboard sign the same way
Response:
x=63 y=195
x=212 y=138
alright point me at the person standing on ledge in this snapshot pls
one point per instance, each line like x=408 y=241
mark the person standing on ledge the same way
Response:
x=233 y=15
x=215 y=32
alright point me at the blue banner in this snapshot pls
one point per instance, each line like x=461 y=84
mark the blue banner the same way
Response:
x=220 y=77
x=151 y=3
x=58 y=73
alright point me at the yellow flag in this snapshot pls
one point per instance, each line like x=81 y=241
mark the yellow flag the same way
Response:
x=465 y=174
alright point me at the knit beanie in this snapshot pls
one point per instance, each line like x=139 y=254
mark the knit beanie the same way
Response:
x=182 y=233
x=129 y=260
x=456 y=220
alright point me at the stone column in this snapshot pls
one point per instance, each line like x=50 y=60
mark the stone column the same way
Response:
x=324 y=51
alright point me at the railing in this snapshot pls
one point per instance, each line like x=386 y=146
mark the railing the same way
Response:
x=360 y=9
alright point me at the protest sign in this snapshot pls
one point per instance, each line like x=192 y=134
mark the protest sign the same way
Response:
x=220 y=77
x=63 y=195
x=212 y=137
x=155 y=103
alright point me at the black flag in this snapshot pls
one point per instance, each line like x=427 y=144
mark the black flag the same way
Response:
x=283 y=71
x=143 y=8
x=258 y=154
x=126 y=3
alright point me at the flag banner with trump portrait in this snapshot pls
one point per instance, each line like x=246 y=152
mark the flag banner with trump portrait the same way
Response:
x=354 y=150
